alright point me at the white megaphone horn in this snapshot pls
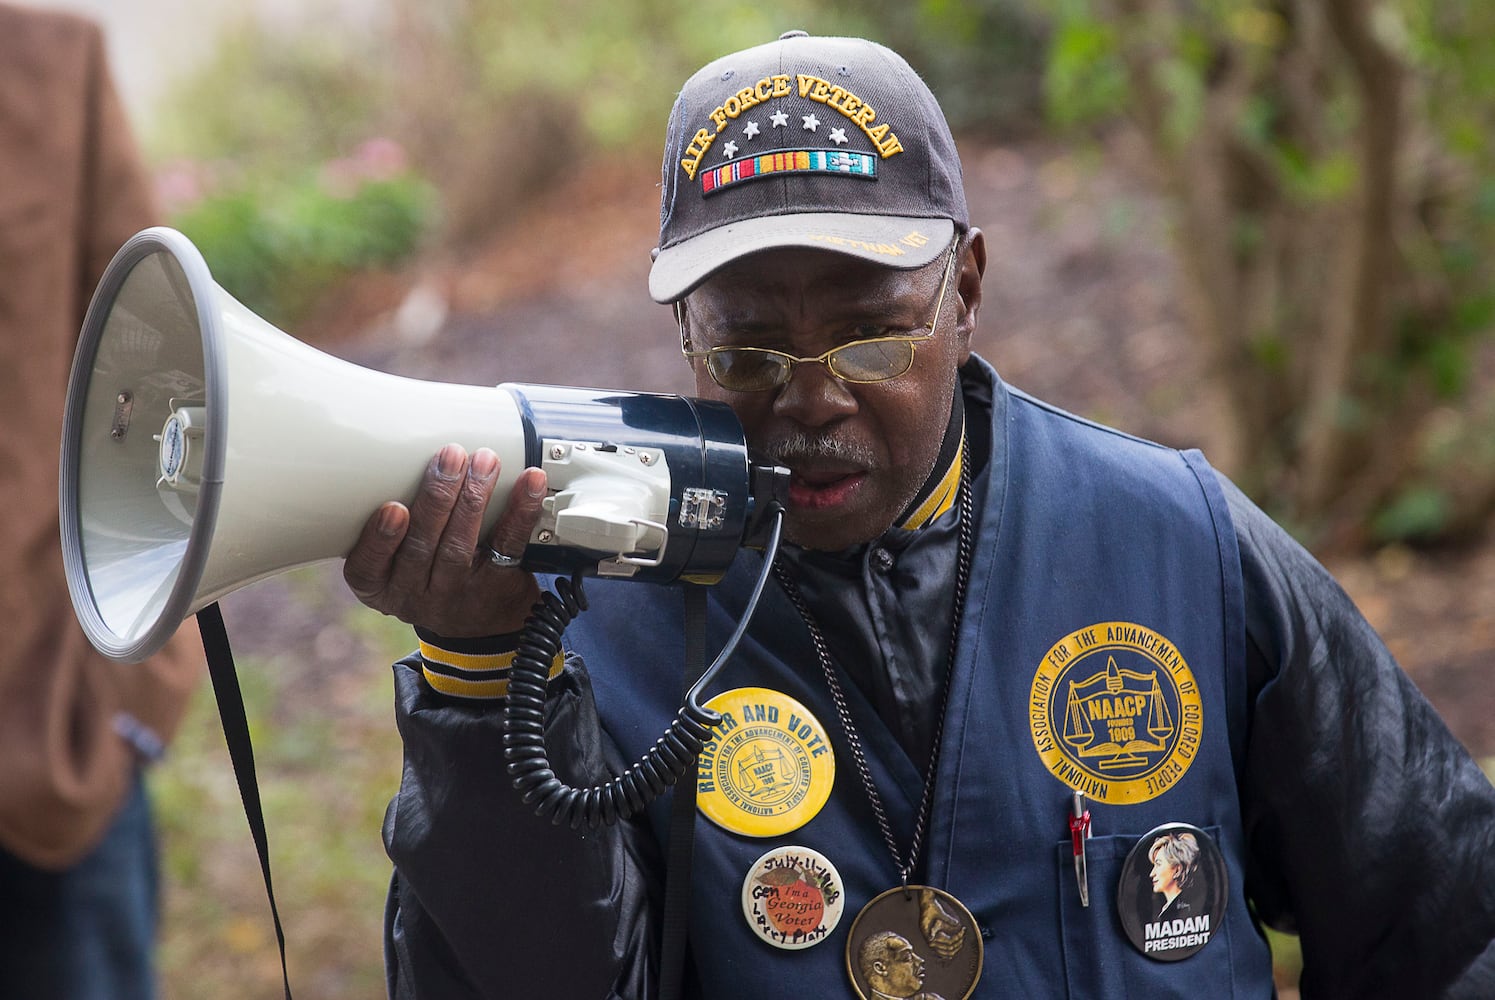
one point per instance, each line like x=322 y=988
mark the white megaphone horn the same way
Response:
x=203 y=449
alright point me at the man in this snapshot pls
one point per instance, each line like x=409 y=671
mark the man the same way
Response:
x=986 y=606
x=892 y=969
x=77 y=852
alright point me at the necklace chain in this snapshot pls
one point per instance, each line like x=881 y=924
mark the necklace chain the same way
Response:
x=853 y=738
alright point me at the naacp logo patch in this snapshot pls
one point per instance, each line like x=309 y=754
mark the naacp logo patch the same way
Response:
x=768 y=768
x=1115 y=712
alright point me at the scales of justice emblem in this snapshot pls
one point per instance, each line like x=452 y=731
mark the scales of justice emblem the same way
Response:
x=1118 y=715
x=764 y=771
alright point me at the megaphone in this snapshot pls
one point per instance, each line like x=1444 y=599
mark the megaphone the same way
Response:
x=203 y=449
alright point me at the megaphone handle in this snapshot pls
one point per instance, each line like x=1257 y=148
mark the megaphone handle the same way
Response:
x=524 y=739
x=661 y=766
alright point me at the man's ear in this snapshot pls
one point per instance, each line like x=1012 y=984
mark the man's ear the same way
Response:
x=968 y=289
x=704 y=384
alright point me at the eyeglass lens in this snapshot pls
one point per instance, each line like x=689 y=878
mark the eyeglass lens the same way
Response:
x=750 y=369
x=872 y=361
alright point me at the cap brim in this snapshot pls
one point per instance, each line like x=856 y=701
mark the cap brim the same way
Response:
x=893 y=241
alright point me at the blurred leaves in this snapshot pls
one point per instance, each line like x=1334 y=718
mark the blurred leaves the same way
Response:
x=272 y=99
x=276 y=163
x=1330 y=163
x=1418 y=512
x=983 y=59
x=278 y=243
x=495 y=102
x=1083 y=82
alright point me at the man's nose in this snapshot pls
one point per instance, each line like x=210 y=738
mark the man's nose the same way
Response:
x=813 y=397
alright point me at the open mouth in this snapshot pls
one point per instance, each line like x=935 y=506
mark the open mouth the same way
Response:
x=823 y=488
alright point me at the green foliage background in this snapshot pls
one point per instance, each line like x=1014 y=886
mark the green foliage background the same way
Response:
x=1398 y=447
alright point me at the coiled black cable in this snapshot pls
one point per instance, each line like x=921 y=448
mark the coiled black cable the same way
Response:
x=661 y=765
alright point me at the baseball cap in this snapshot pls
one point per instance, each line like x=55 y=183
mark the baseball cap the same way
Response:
x=826 y=143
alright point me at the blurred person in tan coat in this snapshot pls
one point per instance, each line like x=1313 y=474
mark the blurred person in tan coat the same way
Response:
x=77 y=852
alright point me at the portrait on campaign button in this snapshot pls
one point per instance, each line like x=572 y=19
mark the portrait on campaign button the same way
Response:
x=1173 y=892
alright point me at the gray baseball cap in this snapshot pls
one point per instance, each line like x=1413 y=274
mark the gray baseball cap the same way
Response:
x=826 y=143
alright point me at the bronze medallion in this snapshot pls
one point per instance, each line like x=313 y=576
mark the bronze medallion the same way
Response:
x=916 y=942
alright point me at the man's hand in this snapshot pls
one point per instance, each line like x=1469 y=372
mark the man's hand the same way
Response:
x=425 y=564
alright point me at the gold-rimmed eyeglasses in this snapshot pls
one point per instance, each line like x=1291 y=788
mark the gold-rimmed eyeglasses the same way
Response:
x=874 y=359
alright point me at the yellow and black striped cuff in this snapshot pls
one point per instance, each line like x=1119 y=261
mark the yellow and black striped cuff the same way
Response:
x=472 y=668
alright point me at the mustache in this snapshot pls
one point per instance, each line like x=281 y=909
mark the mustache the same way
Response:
x=791 y=449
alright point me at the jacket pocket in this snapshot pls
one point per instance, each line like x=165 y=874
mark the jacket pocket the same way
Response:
x=1100 y=962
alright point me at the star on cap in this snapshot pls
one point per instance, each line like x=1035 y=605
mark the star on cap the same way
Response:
x=729 y=150
x=751 y=129
x=779 y=119
x=811 y=122
x=838 y=135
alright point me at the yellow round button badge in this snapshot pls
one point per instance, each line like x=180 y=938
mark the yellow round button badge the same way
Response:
x=768 y=768
x=1116 y=713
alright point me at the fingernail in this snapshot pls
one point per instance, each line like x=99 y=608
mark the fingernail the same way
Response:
x=484 y=464
x=449 y=462
x=386 y=524
x=535 y=487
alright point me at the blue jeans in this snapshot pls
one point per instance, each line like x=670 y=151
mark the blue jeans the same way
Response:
x=87 y=933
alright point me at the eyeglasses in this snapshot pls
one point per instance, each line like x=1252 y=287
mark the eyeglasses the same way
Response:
x=875 y=359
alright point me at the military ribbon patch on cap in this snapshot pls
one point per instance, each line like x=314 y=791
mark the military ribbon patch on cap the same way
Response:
x=751 y=103
x=1115 y=712
x=768 y=768
x=793 y=161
